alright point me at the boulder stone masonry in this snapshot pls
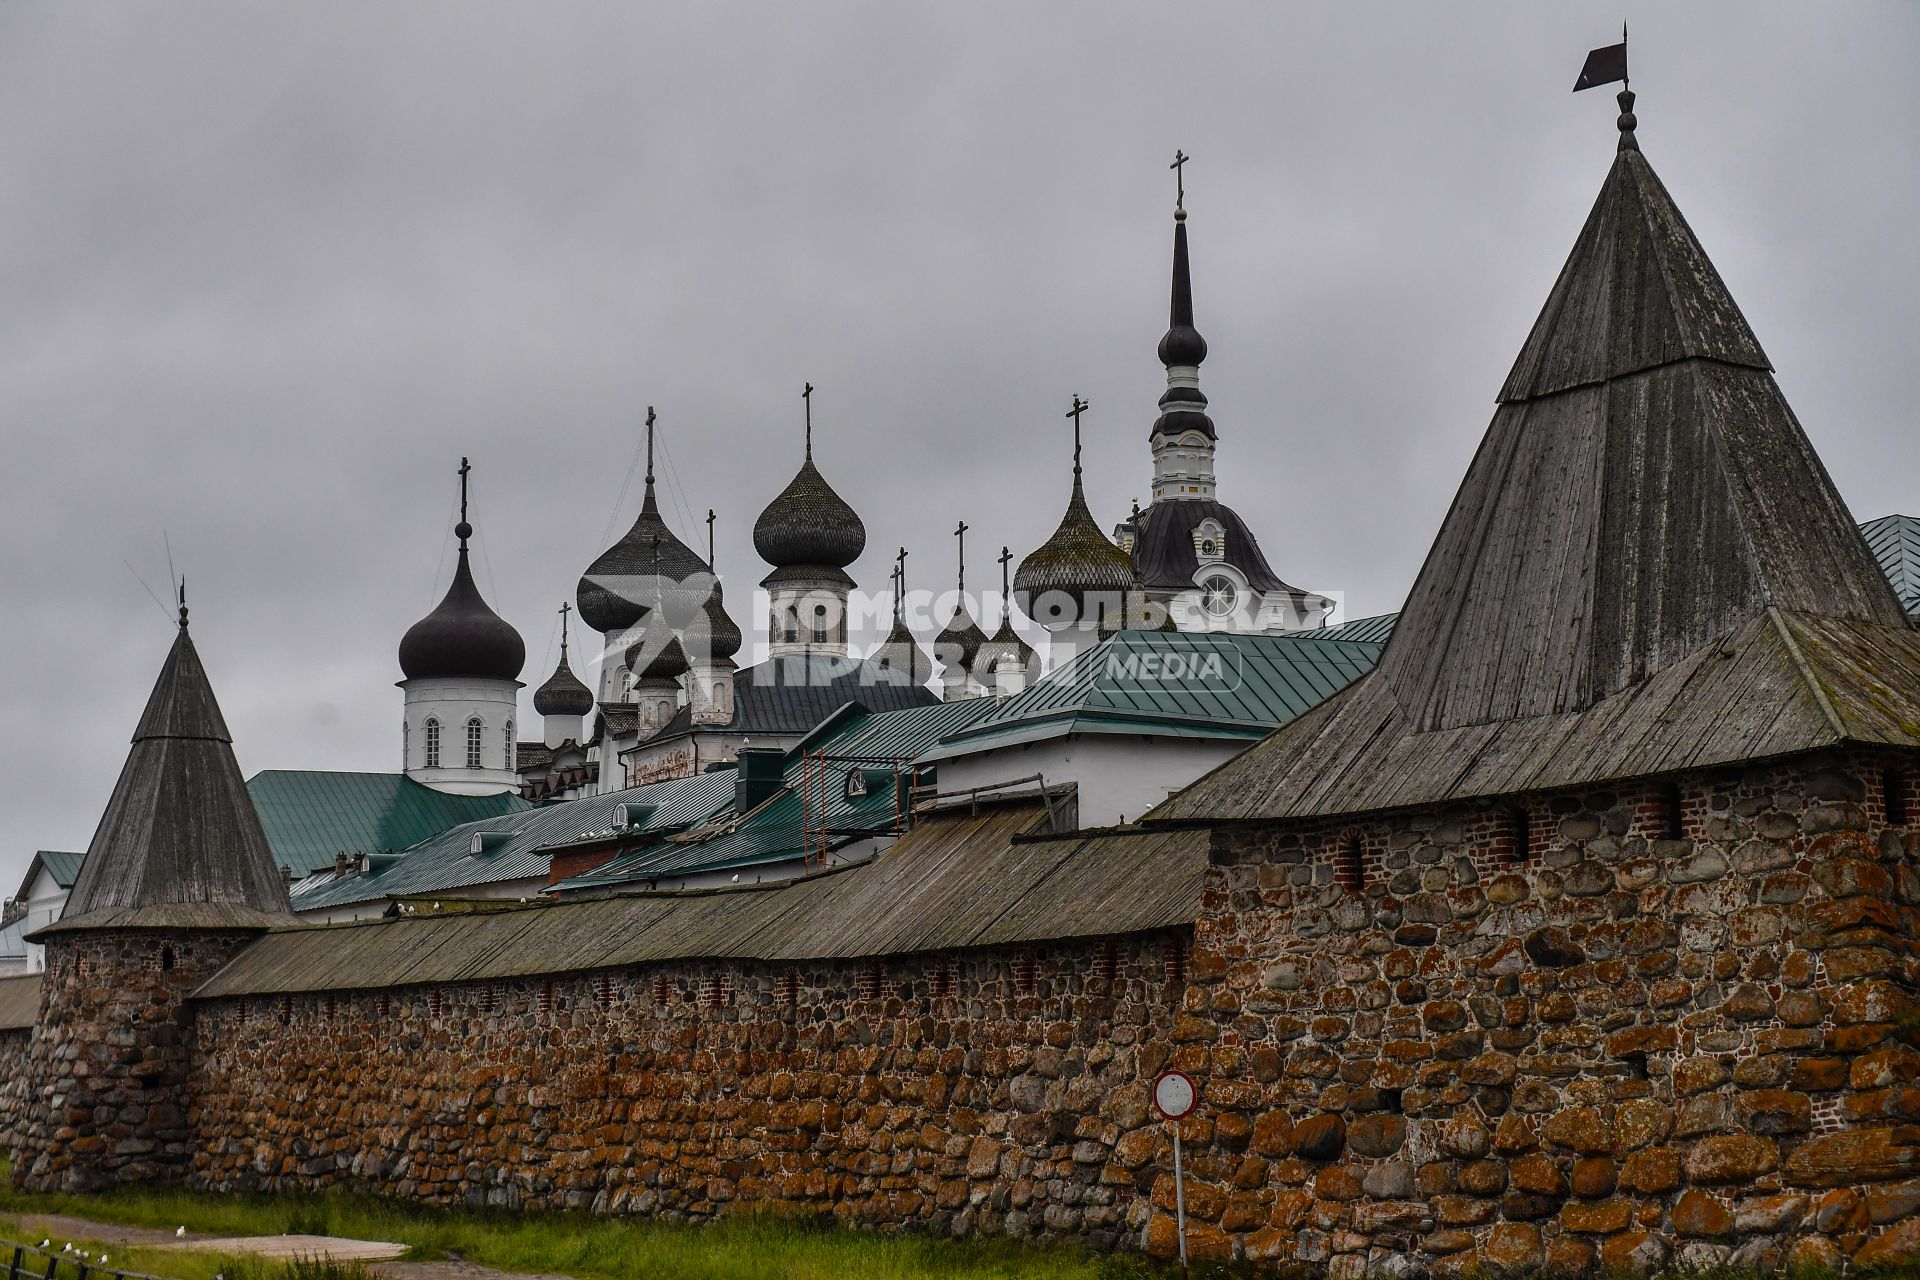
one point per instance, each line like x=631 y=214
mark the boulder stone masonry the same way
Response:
x=1672 y=1021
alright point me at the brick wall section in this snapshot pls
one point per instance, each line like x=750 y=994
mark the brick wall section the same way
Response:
x=983 y=1109
x=1632 y=1047
x=106 y=1093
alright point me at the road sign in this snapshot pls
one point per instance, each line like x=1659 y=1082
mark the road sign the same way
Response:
x=1174 y=1094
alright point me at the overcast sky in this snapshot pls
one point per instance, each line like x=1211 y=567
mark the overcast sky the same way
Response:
x=267 y=271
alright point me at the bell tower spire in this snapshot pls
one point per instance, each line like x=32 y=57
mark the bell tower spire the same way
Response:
x=1182 y=435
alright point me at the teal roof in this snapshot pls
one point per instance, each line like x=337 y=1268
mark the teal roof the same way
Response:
x=853 y=739
x=1173 y=684
x=310 y=814
x=60 y=864
x=1374 y=630
x=445 y=862
x=1895 y=542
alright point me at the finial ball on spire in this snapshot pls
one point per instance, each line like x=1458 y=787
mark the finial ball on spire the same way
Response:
x=463 y=531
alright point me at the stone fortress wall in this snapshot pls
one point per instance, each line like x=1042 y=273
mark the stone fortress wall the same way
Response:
x=1613 y=1028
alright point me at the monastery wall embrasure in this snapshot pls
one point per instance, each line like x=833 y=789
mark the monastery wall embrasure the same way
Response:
x=1678 y=1023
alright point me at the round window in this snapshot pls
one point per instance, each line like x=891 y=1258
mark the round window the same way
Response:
x=1206 y=547
x=1218 y=596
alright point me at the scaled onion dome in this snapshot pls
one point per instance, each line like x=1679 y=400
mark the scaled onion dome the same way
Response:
x=960 y=640
x=809 y=525
x=1004 y=646
x=618 y=588
x=901 y=656
x=563 y=694
x=1077 y=573
x=714 y=633
x=462 y=637
x=655 y=654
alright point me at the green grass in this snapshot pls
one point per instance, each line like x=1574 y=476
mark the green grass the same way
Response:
x=741 y=1246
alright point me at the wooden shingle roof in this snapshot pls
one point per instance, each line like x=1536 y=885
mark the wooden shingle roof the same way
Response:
x=1646 y=568
x=180 y=844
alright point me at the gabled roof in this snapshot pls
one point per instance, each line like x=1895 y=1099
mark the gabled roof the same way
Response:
x=1172 y=684
x=1895 y=543
x=63 y=867
x=180 y=842
x=310 y=815
x=1646 y=569
x=445 y=862
x=853 y=739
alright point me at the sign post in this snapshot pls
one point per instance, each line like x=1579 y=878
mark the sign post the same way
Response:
x=1174 y=1096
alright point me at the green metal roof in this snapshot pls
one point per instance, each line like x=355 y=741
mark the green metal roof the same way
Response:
x=445 y=861
x=310 y=815
x=1374 y=630
x=62 y=865
x=1895 y=542
x=773 y=833
x=1173 y=684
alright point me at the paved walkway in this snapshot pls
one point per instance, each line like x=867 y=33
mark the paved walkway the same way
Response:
x=382 y=1256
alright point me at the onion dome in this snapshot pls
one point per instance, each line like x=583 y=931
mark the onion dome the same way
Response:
x=1183 y=406
x=722 y=633
x=1079 y=569
x=809 y=525
x=563 y=694
x=462 y=636
x=650 y=658
x=1005 y=644
x=901 y=656
x=960 y=640
x=617 y=589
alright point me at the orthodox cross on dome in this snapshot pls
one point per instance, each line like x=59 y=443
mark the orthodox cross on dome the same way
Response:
x=463 y=530
x=961 y=533
x=1180 y=159
x=649 y=444
x=899 y=581
x=807 y=397
x=710 y=519
x=1079 y=407
x=1006 y=558
x=565 y=609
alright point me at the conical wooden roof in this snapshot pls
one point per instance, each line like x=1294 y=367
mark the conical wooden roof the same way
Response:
x=180 y=844
x=1646 y=569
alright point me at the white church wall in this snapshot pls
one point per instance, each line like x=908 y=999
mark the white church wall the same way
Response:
x=453 y=703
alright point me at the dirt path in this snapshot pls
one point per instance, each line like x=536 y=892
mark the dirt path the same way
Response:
x=59 y=1228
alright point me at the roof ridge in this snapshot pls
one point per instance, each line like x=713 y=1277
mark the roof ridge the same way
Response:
x=1800 y=664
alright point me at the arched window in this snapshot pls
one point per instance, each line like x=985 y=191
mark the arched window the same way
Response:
x=819 y=624
x=790 y=626
x=511 y=762
x=1349 y=864
x=431 y=731
x=476 y=732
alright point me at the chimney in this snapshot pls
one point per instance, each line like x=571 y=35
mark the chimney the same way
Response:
x=758 y=778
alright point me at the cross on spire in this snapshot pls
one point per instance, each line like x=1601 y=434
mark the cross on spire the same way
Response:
x=465 y=467
x=961 y=533
x=806 y=397
x=899 y=580
x=649 y=444
x=1079 y=407
x=183 y=602
x=565 y=609
x=710 y=519
x=1178 y=166
x=1006 y=558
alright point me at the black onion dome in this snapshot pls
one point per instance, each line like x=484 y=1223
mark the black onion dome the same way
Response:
x=563 y=694
x=901 y=656
x=722 y=633
x=618 y=588
x=651 y=657
x=809 y=524
x=1078 y=566
x=1005 y=644
x=462 y=636
x=960 y=640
